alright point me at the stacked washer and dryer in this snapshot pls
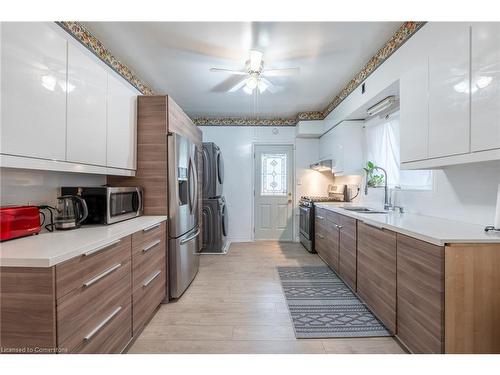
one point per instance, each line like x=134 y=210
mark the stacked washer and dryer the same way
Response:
x=214 y=209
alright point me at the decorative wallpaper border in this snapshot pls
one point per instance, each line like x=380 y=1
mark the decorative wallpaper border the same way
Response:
x=85 y=37
x=244 y=121
x=407 y=29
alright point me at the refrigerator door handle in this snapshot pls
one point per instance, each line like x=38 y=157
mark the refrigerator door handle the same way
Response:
x=195 y=175
x=190 y=238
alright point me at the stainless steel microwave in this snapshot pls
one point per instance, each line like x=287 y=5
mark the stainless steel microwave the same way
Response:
x=108 y=205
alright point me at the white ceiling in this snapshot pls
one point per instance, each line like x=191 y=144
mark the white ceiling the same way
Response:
x=175 y=57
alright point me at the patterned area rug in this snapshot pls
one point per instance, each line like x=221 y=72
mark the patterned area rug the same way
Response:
x=321 y=305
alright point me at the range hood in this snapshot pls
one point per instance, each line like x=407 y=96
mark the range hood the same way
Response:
x=323 y=165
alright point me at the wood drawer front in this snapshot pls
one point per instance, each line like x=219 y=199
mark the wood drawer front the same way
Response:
x=320 y=213
x=147 y=236
x=151 y=249
x=113 y=337
x=71 y=274
x=147 y=298
x=376 y=272
x=333 y=217
x=79 y=312
x=144 y=266
x=420 y=298
x=348 y=251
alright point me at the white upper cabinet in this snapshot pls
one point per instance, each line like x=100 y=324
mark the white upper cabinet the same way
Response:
x=86 y=125
x=33 y=96
x=121 y=121
x=414 y=104
x=485 y=86
x=344 y=144
x=449 y=99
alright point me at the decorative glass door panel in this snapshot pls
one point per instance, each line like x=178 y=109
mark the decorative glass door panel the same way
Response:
x=274 y=174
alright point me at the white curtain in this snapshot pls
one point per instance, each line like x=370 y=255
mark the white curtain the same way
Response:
x=382 y=148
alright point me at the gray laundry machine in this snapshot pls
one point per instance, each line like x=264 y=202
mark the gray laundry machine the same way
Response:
x=213 y=171
x=215 y=220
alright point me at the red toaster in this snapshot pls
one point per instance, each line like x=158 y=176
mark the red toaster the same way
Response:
x=18 y=221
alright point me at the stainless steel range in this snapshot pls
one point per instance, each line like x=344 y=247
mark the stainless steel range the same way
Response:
x=306 y=207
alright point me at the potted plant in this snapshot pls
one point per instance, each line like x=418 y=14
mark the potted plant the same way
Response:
x=372 y=179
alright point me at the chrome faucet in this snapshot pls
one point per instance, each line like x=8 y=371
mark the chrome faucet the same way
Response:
x=387 y=204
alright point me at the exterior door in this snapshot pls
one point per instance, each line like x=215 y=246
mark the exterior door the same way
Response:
x=273 y=206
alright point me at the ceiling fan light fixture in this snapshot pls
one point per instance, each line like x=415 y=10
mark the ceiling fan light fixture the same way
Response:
x=255 y=60
x=252 y=82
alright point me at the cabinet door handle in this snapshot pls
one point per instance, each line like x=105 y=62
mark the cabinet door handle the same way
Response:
x=145 y=230
x=150 y=279
x=102 y=324
x=100 y=276
x=338 y=226
x=373 y=225
x=319 y=217
x=151 y=246
x=321 y=236
x=100 y=248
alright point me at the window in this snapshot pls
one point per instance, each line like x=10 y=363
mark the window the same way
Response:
x=273 y=175
x=382 y=148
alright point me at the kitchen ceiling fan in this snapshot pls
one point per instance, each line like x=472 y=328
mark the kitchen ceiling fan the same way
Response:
x=254 y=75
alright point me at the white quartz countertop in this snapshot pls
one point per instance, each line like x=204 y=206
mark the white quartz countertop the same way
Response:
x=51 y=248
x=426 y=228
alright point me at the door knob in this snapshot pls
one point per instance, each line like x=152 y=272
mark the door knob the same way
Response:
x=289 y=201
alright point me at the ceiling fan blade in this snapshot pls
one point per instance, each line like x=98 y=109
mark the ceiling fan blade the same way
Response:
x=229 y=71
x=270 y=86
x=238 y=86
x=281 y=72
x=226 y=84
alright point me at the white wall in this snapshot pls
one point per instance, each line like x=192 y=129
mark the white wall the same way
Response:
x=236 y=144
x=33 y=187
x=464 y=193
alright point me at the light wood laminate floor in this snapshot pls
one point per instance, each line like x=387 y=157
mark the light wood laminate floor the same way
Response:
x=236 y=305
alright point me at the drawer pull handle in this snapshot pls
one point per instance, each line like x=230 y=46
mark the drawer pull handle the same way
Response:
x=320 y=217
x=339 y=226
x=151 y=246
x=145 y=230
x=100 y=248
x=321 y=236
x=373 y=225
x=100 y=276
x=150 y=279
x=102 y=324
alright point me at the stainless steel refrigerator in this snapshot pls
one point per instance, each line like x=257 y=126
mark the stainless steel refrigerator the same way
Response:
x=184 y=228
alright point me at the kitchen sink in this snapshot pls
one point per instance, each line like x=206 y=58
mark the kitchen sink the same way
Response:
x=364 y=210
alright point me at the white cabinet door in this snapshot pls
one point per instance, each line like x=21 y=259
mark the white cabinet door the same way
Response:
x=449 y=92
x=121 y=139
x=33 y=91
x=485 y=86
x=414 y=111
x=86 y=126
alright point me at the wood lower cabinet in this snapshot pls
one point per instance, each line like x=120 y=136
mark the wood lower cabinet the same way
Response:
x=376 y=273
x=348 y=250
x=149 y=273
x=327 y=238
x=93 y=303
x=420 y=297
